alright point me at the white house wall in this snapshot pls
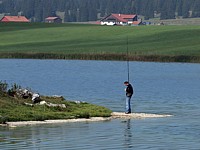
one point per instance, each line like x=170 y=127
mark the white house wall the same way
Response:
x=112 y=23
x=108 y=23
x=130 y=22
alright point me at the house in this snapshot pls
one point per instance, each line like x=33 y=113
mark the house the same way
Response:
x=53 y=20
x=14 y=19
x=120 y=19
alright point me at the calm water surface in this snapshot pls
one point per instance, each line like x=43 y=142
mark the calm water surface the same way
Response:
x=170 y=88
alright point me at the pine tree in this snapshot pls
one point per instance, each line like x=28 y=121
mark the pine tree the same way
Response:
x=185 y=8
x=168 y=10
x=38 y=11
x=196 y=9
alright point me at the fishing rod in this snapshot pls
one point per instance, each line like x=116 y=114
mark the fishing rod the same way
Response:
x=127 y=58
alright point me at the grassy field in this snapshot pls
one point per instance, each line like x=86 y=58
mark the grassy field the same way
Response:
x=13 y=109
x=78 y=41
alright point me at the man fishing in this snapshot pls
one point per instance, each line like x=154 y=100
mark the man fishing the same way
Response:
x=129 y=93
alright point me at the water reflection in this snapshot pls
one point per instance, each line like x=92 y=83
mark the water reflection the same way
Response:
x=128 y=134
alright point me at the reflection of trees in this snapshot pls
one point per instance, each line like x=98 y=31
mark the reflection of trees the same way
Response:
x=128 y=135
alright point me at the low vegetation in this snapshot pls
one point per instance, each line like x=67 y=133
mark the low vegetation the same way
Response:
x=14 y=108
x=81 y=41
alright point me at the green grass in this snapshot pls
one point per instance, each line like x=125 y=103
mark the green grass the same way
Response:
x=13 y=109
x=76 y=41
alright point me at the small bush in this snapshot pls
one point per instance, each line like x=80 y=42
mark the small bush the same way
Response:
x=3 y=119
x=3 y=86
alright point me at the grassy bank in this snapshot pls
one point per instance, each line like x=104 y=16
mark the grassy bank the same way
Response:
x=76 y=41
x=14 y=109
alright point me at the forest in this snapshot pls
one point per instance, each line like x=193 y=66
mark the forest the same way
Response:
x=92 y=10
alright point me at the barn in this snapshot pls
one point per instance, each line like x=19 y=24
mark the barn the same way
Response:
x=53 y=20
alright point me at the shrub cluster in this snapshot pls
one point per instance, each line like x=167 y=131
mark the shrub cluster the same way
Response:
x=11 y=91
x=3 y=86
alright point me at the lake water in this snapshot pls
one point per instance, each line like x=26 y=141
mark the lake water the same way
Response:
x=162 y=88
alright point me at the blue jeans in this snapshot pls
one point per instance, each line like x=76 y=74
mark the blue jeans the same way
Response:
x=128 y=104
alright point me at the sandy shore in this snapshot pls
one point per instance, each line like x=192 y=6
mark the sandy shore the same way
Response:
x=138 y=115
x=26 y=123
x=114 y=115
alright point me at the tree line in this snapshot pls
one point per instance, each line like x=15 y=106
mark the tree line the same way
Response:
x=92 y=10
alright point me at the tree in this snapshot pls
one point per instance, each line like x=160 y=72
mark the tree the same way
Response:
x=168 y=10
x=179 y=7
x=38 y=11
x=196 y=10
x=185 y=8
x=27 y=8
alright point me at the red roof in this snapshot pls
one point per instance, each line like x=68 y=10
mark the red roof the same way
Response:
x=121 y=17
x=124 y=16
x=14 y=19
x=118 y=17
x=51 y=18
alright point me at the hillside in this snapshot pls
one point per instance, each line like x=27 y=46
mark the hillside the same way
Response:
x=77 y=41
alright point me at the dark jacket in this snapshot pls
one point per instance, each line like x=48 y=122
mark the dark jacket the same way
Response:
x=129 y=90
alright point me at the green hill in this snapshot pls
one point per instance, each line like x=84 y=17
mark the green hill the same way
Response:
x=78 y=41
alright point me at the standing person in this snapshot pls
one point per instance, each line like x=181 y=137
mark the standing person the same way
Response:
x=129 y=93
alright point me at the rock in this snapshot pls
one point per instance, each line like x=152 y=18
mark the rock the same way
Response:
x=24 y=93
x=36 y=98
x=57 y=96
x=56 y=105
x=28 y=104
x=42 y=102
x=47 y=104
x=79 y=102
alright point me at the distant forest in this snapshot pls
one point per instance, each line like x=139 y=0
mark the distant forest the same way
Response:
x=92 y=10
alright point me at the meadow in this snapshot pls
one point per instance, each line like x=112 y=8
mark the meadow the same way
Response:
x=84 y=41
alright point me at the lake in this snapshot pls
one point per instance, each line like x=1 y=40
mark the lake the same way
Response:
x=161 y=88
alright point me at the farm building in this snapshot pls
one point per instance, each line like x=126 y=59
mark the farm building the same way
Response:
x=14 y=19
x=120 y=19
x=53 y=20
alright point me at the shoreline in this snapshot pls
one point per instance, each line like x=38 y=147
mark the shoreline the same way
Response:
x=28 y=123
x=109 y=57
x=114 y=115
